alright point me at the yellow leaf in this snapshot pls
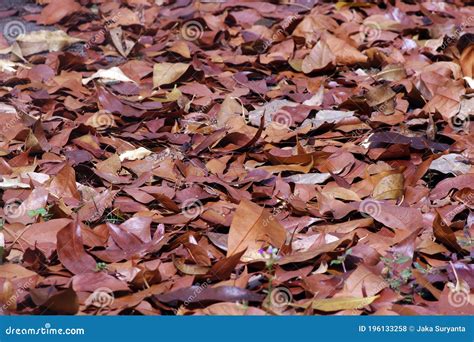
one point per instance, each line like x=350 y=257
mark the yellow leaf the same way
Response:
x=319 y=58
x=166 y=73
x=342 y=4
x=342 y=193
x=190 y=269
x=181 y=48
x=342 y=303
x=389 y=187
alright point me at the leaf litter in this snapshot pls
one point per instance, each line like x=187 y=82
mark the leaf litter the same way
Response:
x=237 y=158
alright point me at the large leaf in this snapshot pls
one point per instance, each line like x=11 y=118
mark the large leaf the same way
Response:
x=252 y=228
x=341 y=303
x=71 y=251
x=203 y=294
x=345 y=53
x=319 y=58
x=445 y=235
x=167 y=73
x=391 y=215
x=40 y=41
x=63 y=302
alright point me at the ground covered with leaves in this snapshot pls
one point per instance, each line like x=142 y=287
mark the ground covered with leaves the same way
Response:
x=236 y=157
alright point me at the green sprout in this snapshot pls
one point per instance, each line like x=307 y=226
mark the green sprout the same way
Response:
x=341 y=259
x=40 y=212
x=395 y=278
x=101 y=266
x=114 y=218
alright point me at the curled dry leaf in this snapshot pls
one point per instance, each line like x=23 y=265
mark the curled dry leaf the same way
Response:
x=113 y=74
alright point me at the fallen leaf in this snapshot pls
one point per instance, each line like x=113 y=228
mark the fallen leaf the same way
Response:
x=71 y=251
x=40 y=41
x=253 y=228
x=113 y=74
x=167 y=73
x=341 y=303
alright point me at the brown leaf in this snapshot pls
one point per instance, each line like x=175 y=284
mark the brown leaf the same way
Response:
x=71 y=251
x=64 y=184
x=203 y=294
x=57 y=10
x=319 y=58
x=63 y=302
x=389 y=187
x=252 y=228
x=467 y=61
x=166 y=73
x=345 y=53
x=443 y=233
x=222 y=269
x=391 y=215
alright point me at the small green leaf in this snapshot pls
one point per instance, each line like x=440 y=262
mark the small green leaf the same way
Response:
x=420 y=268
x=41 y=211
x=402 y=259
x=101 y=266
x=406 y=273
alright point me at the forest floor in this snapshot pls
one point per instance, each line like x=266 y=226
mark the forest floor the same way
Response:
x=233 y=157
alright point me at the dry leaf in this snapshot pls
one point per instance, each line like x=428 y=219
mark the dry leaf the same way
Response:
x=252 y=228
x=40 y=41
x=341 y=303
x=168 y=73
